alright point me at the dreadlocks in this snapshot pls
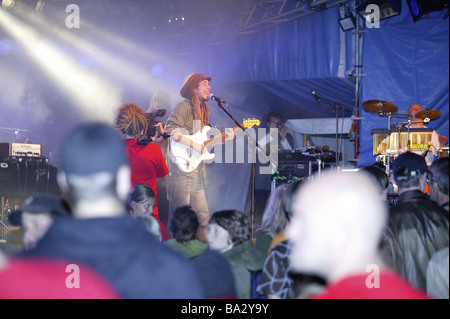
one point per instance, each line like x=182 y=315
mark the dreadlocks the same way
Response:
x=131 y=120
x=201 y=111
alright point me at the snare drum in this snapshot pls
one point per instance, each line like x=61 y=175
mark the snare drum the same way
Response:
x=443 y=152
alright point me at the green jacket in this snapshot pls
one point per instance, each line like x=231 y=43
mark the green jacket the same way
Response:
x=188 y=248
x=243 y=259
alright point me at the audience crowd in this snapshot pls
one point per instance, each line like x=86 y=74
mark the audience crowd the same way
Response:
x=330 y=236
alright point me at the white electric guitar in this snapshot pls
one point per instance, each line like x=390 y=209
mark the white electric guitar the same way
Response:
x=187 y=159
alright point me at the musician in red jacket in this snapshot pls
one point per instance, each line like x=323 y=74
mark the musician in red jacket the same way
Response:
x=190 y=116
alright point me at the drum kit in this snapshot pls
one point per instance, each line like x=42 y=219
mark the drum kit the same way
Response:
x=388 y=109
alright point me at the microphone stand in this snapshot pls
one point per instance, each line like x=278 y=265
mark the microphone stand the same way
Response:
x=253 y=169
x=244 y=130
x=336 y=107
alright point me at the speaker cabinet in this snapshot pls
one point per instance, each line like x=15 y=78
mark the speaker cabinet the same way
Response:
x=27 y=177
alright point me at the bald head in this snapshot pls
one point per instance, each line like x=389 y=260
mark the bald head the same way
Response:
x=335 y=215
x=411 y=115
x=414 y=108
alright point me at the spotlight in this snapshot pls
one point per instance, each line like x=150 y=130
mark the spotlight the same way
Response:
x=39 y=6
x=420 y=7
x=5 y=46
x=348 y=22
x=157 y=69
x=177 y=19
x=36 y=5
x=8 y=4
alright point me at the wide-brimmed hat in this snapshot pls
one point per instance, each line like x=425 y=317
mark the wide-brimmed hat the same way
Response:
x=190 y=83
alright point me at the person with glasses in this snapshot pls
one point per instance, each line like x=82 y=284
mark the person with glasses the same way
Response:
x=285 y=140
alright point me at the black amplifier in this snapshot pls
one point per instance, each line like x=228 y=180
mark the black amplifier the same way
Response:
x=298 y=169
x=295 y=163
x=293 y=157
x=27 y=177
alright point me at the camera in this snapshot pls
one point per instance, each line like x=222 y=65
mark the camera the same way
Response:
x=153 y=127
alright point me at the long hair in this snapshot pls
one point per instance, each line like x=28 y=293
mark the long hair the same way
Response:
x=140 y=193
x=201 y=111
x=131 y=120
x=278 y=210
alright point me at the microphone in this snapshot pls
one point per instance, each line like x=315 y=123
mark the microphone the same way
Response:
x=424 y=154
x=213 y=97
x=315 y=95
x=157 y=113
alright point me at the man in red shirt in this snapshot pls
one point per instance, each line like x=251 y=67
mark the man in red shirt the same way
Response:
x=335 y=233
x=146 y=160
x=43 y=278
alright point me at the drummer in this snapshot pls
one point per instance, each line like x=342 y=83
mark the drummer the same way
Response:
x=418 y=123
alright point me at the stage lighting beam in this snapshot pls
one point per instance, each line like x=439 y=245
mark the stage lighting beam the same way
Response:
x=8 y=4
x=93 y=95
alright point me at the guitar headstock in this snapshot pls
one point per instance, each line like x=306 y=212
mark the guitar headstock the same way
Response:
x=248 y=123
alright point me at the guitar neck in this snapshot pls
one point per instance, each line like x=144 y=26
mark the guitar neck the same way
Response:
x=220 y=137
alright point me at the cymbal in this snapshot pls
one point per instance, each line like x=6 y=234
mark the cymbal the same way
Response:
x=379 y=106
x=431 y=114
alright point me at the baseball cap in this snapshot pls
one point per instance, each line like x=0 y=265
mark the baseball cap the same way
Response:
x=92 y=148
x=409 y=164
x=55 y=205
